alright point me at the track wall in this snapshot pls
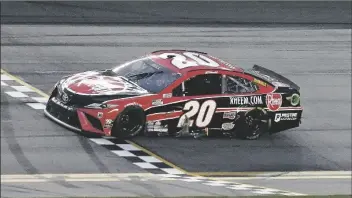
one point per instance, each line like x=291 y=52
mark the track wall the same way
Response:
x=185 y=12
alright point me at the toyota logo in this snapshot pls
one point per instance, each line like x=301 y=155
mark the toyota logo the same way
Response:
x=64 y=97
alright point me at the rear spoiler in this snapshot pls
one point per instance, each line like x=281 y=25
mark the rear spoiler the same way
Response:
x=275 y=76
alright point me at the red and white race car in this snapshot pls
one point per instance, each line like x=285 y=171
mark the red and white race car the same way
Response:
x=178 y=93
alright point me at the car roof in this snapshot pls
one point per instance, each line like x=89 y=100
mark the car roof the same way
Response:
x=165 y=58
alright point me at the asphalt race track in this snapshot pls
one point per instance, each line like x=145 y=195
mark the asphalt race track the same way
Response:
x=319 y=60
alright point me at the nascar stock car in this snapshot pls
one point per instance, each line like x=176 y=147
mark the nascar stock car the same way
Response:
x=178 y=93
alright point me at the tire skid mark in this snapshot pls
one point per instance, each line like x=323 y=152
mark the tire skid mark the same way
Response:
x=23 y=189
x=193 y=189
x=336 y=165
x=36 y=136
x=121 y=190
x=13 y=144
x=16 y=149
x=153 y=190
x=83 y=142
x=92 y=155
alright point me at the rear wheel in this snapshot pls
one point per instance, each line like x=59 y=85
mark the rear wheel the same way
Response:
x=253 y=124
x=129 y=123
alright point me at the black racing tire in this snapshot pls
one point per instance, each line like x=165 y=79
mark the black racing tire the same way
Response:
x=129 y=123
x=252 y=125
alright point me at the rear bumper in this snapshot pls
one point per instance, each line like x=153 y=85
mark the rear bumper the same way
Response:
x=284 y=120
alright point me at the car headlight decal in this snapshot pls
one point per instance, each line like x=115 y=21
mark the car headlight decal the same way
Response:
x=100 y=106
x=94 y=106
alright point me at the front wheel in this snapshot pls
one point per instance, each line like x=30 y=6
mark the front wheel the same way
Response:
x=129 y=123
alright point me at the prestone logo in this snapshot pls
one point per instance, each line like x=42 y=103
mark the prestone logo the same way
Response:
x=285 y=116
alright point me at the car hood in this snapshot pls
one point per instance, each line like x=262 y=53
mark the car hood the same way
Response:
x=101 y=83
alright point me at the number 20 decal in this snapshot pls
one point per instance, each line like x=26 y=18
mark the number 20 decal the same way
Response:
x=205 y=113
x=181 y=61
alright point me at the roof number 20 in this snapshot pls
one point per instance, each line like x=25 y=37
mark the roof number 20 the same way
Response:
x=181 y=61
x=205 y=113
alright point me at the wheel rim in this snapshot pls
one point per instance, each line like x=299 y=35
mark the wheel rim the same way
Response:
x=131 y=123
x=254 y=122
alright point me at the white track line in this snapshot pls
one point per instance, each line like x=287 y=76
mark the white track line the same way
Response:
x=16 y=94
x=5 y=77
x=4 y=84
x=40 y=99
x=36 y=105
x=22 y=88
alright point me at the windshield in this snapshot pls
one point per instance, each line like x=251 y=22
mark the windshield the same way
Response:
x=147 y=74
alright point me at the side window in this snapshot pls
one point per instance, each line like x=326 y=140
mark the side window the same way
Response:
x=235 y=84
x=177 y=91
x=200 y=85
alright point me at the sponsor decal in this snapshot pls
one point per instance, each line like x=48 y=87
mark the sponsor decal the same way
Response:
x=295 y=99
x=157 y=102
x=259 y=82
x=64 y=98
x=102 y=84
x=133 y=103
x=280 y=84
x=100 y=114
x=246 y=100
x=94 y=83
x=269 y=78
x=93 y=106
x=111 y=105
x=285 y=116
x=114 y=110
x=62 y=104
x=211 y=72
x=274 y=101
x=108 y=124
x=227 y=126
x=157 y=126
x=224 y=62
x=167 y=95
x=230 y=115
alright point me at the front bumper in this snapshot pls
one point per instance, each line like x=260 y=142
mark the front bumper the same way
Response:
x=65 y=116
x=60 y=122
x=76 y=119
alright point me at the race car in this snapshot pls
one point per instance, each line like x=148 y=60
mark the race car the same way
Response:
x=179 y=93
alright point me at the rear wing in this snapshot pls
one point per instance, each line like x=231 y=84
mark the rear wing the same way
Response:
x=274 y=77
